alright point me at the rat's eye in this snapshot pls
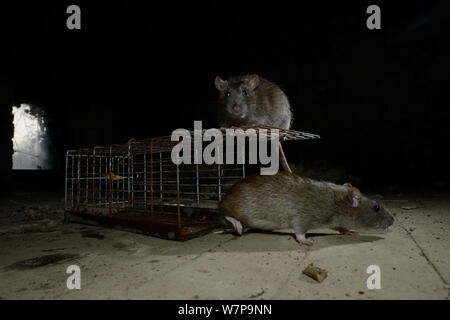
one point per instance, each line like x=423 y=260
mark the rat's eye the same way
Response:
x=227 y=93
x=244 y=93
x=376 y=208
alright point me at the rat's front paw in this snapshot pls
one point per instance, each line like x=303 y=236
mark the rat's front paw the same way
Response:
x=308 y=242
x=301 y=239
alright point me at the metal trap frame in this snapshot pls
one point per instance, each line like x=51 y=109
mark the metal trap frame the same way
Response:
x=136 y=187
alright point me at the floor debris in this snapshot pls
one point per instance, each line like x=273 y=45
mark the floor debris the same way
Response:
x=316 y=273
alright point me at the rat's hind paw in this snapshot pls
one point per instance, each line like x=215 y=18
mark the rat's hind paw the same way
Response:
x=236 y=225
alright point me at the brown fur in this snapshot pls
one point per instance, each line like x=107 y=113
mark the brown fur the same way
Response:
x=285 y=200
x=265 y=104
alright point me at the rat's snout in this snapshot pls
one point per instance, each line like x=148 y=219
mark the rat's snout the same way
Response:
x=391 y=220
x=236 y=108
x=388 y=221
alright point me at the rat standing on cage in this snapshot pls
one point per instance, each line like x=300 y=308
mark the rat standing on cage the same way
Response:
x=252 y=100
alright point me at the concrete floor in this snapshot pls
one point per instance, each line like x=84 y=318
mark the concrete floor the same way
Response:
x=414 y=259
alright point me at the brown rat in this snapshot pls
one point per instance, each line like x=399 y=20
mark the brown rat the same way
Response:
x=284 y=200
x=252 y=100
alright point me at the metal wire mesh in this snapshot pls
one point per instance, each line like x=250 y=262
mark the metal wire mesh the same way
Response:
x=139 y=177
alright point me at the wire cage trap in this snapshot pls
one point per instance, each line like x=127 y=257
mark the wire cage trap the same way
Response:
x=137 y=187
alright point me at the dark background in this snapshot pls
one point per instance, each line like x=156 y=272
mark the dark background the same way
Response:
x=378 y=98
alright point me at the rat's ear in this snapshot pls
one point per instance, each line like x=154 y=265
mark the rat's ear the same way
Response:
x=354 y=195
x=220 y=84
x=253 y=81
